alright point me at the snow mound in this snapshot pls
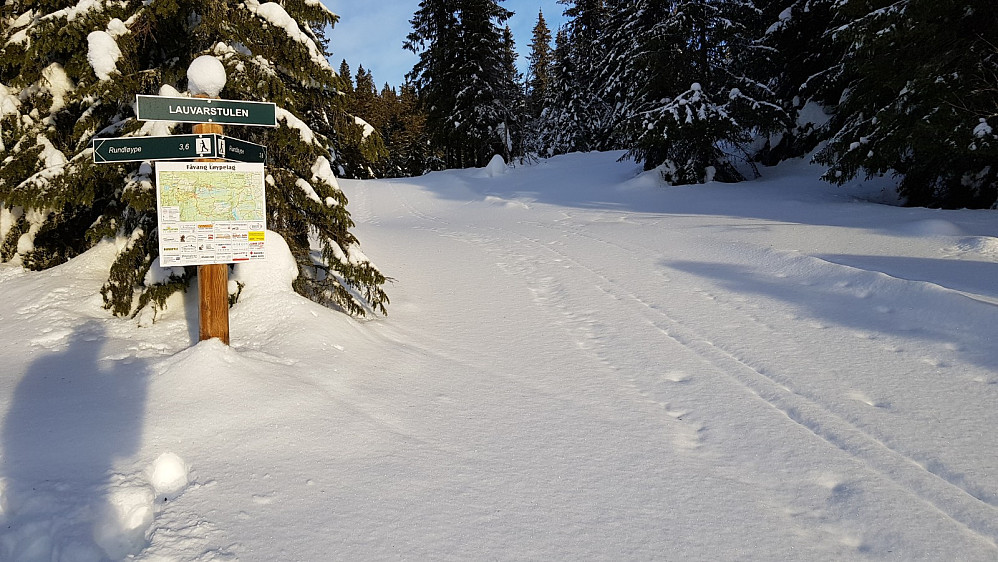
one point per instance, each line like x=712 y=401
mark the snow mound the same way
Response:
x=169 y=475
x=645 y=180
x=496 y=167
x=121 y=530
x=503 y=202
x=931 y=227
x=985 y=245
x=206 y=75
x=812 y=114
x=270 y=276
x=159 y=274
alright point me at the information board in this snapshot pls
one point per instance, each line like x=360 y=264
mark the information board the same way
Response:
x=210 y=212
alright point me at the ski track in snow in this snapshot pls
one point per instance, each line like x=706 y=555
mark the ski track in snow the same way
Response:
x=578 y=364
x=522 y=256
x=972 y=508
x=936 y=485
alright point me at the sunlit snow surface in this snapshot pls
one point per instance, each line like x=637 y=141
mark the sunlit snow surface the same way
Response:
x=579 y=364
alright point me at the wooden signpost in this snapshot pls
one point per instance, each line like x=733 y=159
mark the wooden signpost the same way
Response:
x=213 y=279
x=206 y=144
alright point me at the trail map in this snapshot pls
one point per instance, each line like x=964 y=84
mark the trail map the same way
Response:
x=210 y=212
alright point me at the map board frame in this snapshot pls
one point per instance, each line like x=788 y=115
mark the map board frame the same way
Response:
x=199 y=206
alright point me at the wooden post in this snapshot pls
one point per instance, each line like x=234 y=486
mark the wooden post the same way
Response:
x=213 y=279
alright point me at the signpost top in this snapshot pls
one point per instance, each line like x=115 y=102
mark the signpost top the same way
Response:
x=204 y=110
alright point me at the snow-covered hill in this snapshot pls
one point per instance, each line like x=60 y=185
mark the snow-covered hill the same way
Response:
x=579 y=364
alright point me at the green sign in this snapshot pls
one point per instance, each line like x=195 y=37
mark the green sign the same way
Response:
x=202 y=110
x=176 y=147
x=137 y=149
x=239 y=150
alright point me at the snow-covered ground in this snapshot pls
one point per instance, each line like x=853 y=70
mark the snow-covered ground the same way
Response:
x=579 y=364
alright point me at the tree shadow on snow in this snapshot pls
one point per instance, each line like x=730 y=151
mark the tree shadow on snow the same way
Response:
x=879 y=299
x=73 y=416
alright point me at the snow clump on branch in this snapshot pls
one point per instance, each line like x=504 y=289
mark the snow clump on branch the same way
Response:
x=102 y=54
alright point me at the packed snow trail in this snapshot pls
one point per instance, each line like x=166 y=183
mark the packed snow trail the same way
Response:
x=774 y=364
x=579 y=363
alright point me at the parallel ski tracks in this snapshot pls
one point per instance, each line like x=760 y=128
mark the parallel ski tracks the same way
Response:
x=948 y=498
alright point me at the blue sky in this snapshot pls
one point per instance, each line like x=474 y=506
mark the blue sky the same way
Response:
x=371 y=32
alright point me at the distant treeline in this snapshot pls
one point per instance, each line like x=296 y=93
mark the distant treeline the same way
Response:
x=706 y=90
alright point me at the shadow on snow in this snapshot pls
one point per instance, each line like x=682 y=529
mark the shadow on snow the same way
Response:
x=72 y=417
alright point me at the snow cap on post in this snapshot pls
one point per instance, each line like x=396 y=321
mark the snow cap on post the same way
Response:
x=206 y=76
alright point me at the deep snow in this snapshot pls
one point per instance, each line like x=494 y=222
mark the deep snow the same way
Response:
x=579 y=363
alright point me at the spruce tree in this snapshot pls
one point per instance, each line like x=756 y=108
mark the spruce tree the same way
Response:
x=463 y=75
x=70 y=72
x=399 y=122
x=389 y=126
x=365 y=93
x=631 y=54
x=538 y=79
x=435 y=39
x=558 y=128
x=539 y=67
x=346 y=82
x=921 y=99
x=696 y=101
x=802 y=74
x=359 y=146
x=511 y=102
x=576 y=116
x=404 y=131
